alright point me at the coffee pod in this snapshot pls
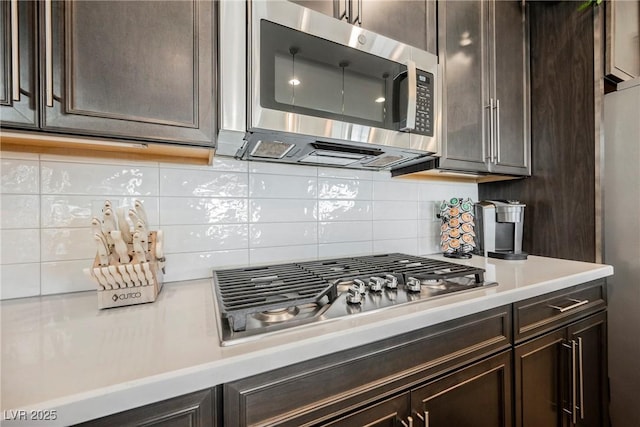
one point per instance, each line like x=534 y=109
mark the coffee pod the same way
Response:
x=466 y=217
x=467 y=228
x=454 y=223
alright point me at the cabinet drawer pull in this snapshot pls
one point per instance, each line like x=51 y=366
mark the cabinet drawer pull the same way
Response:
x=409 y=422
x=15 y=52
x=581 y=378
x=577 y=303
x=48 y=52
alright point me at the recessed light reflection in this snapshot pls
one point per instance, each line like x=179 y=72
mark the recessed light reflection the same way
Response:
x=380 y=100
x=294 y=82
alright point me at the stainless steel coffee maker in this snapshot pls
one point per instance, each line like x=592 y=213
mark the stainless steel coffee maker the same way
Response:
x=499 y=225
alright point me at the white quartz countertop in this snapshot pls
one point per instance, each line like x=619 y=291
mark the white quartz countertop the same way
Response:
x=62 y=353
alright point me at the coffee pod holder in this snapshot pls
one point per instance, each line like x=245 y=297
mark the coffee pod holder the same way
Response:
x=457 y=235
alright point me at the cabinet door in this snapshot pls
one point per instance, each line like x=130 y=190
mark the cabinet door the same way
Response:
x=462 y=37
x=622 y=49
x=411 y=22
x=510 y=78
x=192 y=410
x=389 y=412
x=592 y=393
x=132 y=69
x=478 y=396
x=540 y=378
x=327 y=7
x=18 y=90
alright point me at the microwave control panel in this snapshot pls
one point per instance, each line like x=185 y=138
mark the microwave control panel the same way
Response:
x=424 y=103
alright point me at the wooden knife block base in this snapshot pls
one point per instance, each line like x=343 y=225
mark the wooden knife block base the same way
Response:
x=127 y=294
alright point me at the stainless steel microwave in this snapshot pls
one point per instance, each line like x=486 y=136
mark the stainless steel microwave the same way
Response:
x=297 y=86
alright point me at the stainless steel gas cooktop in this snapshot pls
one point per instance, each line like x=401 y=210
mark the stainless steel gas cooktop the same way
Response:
x=255 y=301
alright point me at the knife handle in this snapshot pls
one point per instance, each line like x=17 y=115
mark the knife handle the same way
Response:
x=134 y=276
x=123 y=225
x=120 y=247
x=125 y=276
x=142 y=214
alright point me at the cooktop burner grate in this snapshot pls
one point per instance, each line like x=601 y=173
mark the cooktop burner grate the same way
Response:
x=245 y=291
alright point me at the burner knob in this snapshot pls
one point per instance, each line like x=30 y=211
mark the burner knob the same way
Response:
x=360 y=285
x=376 y=284
x=392 y=281
x=413 y=284
x=353 y=295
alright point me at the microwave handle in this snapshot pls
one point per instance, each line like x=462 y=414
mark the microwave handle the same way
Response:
x=412 y=97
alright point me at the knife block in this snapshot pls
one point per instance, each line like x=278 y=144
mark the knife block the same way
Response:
x=138 y=290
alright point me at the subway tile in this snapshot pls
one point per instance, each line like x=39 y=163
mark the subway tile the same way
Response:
x=200 y=183
x=65 y=244
x=445 y=191
x=357 y=174
x=283 y=254
x=19 y=211
x=98 y=179
x=427 y=210
x=395 y=190
x=20 y=246
x=429 y=228
x=338 y=188
x=66 y=276
x=428 y=245
x=191 y=210
x=205 y=238
x=381 y=176
x=19 y=280
x=344 y=210
x=281 y=234
x=282 y=169
x=407 y=246
x=347 y=231
x=283 y=210
x=395 y=229
x=384 y=210
x=282 y=186
x=197 y=265
x=93 y=160
x=329 y=250
x=19 y=176
x=76 y=211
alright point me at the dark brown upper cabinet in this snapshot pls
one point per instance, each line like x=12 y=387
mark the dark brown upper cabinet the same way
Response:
x=18 y=50
x=131 y=69
x=411 y=22
x=483 y=46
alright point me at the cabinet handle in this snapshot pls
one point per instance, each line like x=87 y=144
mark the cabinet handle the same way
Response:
x=48 y=51
x=496 y=152
x=412 y=95
x=358 y=19
x=409 y=422
x=581 y=373
x=15 y=52
x=577 y=304
x=491 y=130
x=337 y=13
x=574 y=413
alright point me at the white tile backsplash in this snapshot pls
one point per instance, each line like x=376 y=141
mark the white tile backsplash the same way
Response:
x=19 y=280
x=282 y=186
x=20 y=176
x=20 y=246
x=98 y=179
x=19 y=211
x=232 y=213
x=283 y=210
x=200 y=183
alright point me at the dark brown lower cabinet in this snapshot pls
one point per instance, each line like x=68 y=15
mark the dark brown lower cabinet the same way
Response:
x=476 y=396
x=199 y=409
x=561 y=377
x=390 y=412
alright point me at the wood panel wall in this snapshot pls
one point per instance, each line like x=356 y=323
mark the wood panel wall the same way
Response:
x=560 y=217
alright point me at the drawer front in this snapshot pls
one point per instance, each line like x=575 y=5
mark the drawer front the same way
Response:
x=320 y=389
x=538 y=315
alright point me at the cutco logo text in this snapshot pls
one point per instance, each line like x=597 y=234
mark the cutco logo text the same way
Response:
x=129 y=295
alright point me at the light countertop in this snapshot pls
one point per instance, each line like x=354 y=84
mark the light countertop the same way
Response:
x=60 y=352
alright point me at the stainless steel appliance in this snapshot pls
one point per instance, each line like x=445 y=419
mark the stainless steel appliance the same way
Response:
x=499 y=227
x=301 y=87
x=255 y=301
